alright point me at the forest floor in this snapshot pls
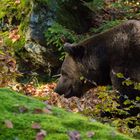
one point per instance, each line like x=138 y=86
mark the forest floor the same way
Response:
x=27 y=118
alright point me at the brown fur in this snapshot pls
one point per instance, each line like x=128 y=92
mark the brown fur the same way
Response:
x=99 y=58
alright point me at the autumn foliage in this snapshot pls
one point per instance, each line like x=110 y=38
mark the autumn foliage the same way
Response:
x=8 y=69
x=14 y=35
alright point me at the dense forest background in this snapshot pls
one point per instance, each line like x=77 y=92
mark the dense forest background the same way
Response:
x=32 y=35
x=35 y=31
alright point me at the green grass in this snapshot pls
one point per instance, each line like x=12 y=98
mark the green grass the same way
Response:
x=57 y=124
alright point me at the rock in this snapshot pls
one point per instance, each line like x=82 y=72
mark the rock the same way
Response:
x=42 y=16
x=41 y=19
x=74 y=15
x=35 y=51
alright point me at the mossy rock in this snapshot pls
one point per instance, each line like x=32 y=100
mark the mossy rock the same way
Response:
x=23 y=112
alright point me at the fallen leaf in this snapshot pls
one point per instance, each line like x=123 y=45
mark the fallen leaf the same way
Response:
x=8 y=124
x=41 y=135
x=38 y=111
x=75 y=110
x=90 y=134
x=36 y=126
x=1 y=41
x=74 y=135
x=46 y=110
x=15 y=38
x=23 y=109
x=49 y=107
x=13 y=35
x=17 y=2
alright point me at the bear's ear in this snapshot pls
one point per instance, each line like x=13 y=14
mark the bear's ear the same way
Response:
x=74 y=49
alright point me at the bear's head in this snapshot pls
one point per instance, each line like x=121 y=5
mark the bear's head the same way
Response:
x=71 y=82
x=85 y=66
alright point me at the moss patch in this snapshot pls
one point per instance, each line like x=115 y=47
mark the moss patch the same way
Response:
x=22 y=112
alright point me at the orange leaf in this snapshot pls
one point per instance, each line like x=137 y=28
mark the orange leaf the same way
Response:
x=17 y=2
x=36 y=126
x=41 y=135
x=8 y=124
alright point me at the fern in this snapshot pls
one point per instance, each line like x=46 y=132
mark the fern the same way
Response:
x=56 y=35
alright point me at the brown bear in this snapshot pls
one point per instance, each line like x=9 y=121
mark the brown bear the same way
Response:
x=99 y=58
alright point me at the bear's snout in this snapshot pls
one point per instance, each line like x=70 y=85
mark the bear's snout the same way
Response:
x=57 y=90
